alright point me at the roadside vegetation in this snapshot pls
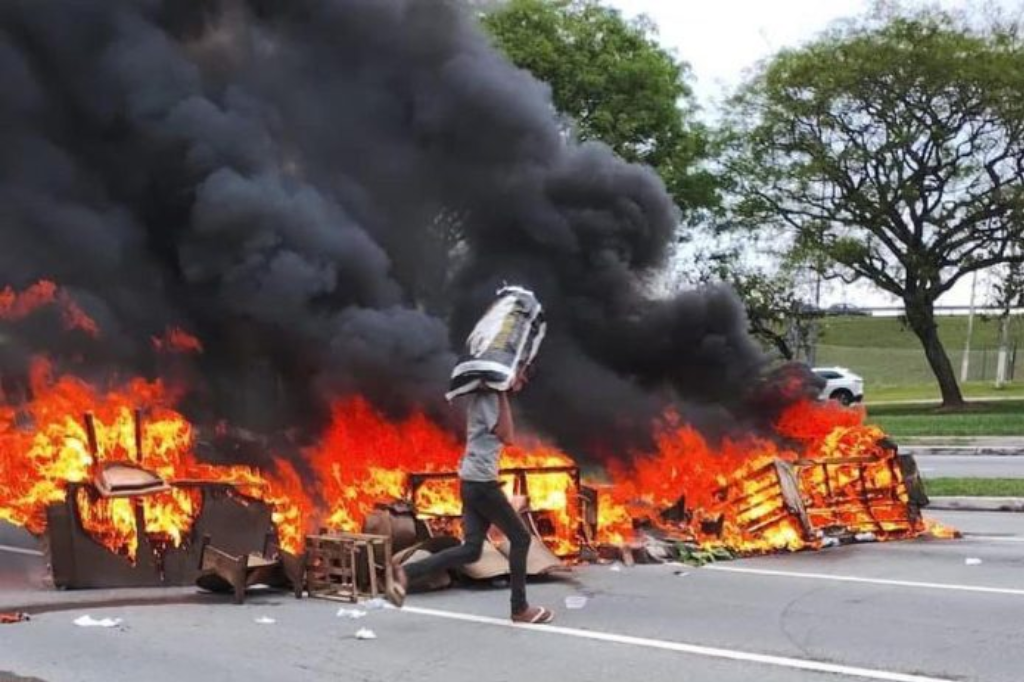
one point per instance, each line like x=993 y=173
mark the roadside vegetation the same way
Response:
x=1003 y=418
x=975 y=487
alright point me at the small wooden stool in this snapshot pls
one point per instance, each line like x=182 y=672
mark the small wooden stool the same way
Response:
x=348 y=566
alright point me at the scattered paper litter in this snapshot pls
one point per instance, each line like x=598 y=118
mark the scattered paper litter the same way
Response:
x=365 y=633
x=90 y=622
x=575 y=601
x=615 y=567
x=972 y=561
x=376 y=604
x=265 y=620
x=681 y=574
x=350 y=613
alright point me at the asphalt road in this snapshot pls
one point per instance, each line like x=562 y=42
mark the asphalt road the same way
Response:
x=912 y=611
x=970 y=466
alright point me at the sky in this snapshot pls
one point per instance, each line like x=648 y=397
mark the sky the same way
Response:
x=723 y=39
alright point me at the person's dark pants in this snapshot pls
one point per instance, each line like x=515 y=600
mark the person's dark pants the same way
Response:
x=483 y=503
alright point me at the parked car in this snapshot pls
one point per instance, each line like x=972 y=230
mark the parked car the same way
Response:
x=840 y=384
x=846 y=309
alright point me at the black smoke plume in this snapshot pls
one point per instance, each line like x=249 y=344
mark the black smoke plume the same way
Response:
x=328 y=194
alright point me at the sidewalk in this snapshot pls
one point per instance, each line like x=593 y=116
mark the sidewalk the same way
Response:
x=34 y=600
x=991 y=504
x=955 y=445
x=936 y=401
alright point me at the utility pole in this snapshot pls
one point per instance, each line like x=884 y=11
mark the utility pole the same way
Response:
x=965 y=363
x=1002 y=364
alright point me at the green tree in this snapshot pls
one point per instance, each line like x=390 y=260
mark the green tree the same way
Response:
x=776 y=313
x=615 y=82
x=893 y=146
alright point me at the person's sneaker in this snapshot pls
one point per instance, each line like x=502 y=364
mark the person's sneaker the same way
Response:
x=536 y=615
x=399 y=585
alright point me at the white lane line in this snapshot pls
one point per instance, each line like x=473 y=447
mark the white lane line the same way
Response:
x=872 y=581
x=990 y=538
x=20 y=550
x=681 y=647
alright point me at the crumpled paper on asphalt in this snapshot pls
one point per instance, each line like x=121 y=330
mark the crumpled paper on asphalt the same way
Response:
x=352 y=614
x=376 y=604
x=365 y=633
x=88 y=621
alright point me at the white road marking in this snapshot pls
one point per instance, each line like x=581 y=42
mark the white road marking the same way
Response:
x=20 y=550
x=872 y=581
x=989 y=538
x=681 y=647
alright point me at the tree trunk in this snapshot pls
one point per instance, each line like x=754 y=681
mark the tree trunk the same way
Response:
x=921 y=318
x=774 y=338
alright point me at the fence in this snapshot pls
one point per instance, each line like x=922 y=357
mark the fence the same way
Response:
x=898 y=366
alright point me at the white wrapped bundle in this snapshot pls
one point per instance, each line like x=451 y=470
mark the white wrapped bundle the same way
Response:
x=503 y=343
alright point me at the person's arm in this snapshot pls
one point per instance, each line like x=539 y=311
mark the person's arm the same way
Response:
x=504 y=428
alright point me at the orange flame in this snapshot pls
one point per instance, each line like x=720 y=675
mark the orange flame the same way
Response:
x=739 y=493
x=44 y=446
x=16 y=306
x=177 y=340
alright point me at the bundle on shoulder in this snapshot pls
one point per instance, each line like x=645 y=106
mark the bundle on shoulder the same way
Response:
x=502 y=344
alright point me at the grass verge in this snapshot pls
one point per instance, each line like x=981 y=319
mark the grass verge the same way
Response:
x=975 y=487
x=1003 y=418
x=977 y=390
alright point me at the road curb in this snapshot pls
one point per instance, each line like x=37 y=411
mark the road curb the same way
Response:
x=962 y=450
x=47 y=600
x=1001 y=504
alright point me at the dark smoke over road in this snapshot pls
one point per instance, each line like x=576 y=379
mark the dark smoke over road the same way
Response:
x=328 y=193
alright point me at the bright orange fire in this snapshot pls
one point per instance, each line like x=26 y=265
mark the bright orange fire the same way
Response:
x=44 y=446
x=177 y=340
x=826 y=470
x=365 y=458
x=840 y=476
x=15 y=306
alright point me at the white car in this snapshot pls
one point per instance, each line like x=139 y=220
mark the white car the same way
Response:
x=840 y=384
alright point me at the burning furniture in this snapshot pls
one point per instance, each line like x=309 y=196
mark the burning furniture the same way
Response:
x=128 y=527
x=78 y=560
x=774 y=504
x=348 y=566
x=552 y=514
x=220 y=571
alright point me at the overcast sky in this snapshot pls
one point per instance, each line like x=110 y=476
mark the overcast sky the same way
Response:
x=722 y=39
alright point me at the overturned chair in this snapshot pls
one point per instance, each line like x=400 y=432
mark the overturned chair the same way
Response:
x=222 y=572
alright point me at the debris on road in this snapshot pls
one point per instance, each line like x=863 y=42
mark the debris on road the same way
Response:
x=377 y=604
x=352 y=614
x=972 y=561
x=264 y=620
x=6 y=618
x=575 y=601
x=615 y=567
x=694 y=555
x=365 y=633
x=88 y=621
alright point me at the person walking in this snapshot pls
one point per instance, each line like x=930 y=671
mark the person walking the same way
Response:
x=489 y=426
